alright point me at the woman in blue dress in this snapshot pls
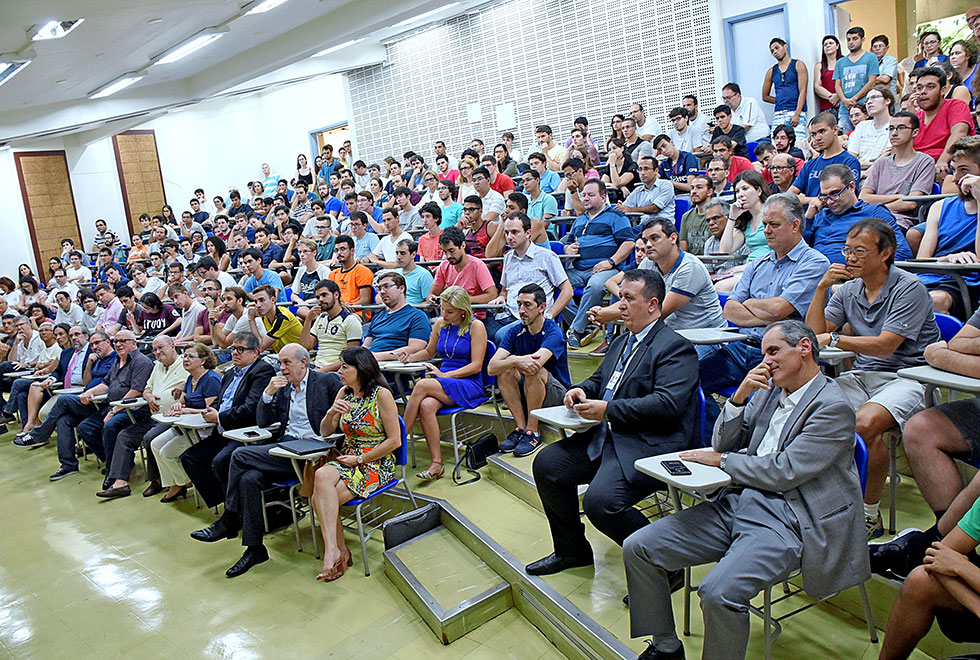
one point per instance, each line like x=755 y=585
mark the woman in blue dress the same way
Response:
x=461 y=341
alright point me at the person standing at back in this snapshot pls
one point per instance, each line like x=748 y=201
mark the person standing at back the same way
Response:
x=854 y=75
x=785 y=85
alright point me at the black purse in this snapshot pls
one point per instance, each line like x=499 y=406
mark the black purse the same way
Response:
x=475 y=457
x=409 y=525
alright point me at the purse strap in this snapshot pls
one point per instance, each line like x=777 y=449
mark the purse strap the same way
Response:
x=459 y=467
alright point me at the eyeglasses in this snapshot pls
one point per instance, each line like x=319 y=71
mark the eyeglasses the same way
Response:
x=858 y=252
x=779 y=168
x=895 y=129
x=471 y=209
x=831 y=197
x=239 y=349
x=116 y=342
x=387 y=285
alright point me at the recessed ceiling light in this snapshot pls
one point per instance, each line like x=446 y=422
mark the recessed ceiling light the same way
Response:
x=190 y=45
x=334 y=49
x=117 y=85
x=154 y=21
x=424 y=15
x=261 y=6
x=56 y=29
x=10 y=68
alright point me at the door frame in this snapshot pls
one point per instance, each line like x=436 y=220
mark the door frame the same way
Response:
x=314 y=149
x=730 y=21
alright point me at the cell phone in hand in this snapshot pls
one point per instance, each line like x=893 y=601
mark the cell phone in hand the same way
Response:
x=676 y=468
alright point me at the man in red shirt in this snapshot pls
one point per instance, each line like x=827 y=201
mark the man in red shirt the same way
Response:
x=499 y=182
x=723 y=147
x=942 y=121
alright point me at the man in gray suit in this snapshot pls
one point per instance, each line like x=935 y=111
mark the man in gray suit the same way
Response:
x=297 y=399
x=795 y=502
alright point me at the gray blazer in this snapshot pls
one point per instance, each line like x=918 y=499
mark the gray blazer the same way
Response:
x=814 y=470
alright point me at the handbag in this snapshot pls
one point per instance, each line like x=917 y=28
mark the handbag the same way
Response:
x=409 y=525
x=475 y=457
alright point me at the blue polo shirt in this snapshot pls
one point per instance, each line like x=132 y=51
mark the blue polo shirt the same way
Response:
x=598 y=237
x=550 y=181
x=793 y=278
x=268 y=277
x=519 y=341
x=391 y=331
x=101 y=369
x=808 y=180
x=827 y=232
x=545 y=204
x=686 y=165
x=272 y=253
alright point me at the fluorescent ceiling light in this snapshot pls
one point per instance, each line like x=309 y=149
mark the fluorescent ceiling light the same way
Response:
x=117 y=85
x=9 y=69
x=334 y=49
x=56 y=29
x=260 y=7
x=191 y=45
x=423 y=16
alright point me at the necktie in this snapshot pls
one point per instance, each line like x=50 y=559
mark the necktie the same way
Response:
x=71 y=368
x=594 y=450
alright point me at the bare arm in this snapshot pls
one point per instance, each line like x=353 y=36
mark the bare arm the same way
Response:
x=930 y=238
x=802 y=76
x=767 y=96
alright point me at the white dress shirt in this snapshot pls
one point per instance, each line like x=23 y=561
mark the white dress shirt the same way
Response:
x=298 y=426
x=787 y=404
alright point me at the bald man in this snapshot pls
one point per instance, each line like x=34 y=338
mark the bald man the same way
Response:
x=297 y=398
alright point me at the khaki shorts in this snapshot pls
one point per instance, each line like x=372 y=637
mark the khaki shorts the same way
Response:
x=901 y=397
x=554 y=392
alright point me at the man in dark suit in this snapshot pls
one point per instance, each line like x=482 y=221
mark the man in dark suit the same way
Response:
x=644 y=395
x=206 y=463
x=297 y=399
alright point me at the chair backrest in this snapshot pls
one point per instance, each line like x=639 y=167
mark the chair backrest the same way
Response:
x=557 y=247
x=703 y=416
x=751 y=147
x=401 y=454
x=861 y=459
x=936 y=189
x=723 y=298
x=948 y=325
x=488 y=380
x=681 y=206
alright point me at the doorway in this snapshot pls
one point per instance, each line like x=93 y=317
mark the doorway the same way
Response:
x=748 y=55
x=335 y=135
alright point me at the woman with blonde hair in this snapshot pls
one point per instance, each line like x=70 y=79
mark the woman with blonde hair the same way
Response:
x=464 y=184
x=431 y=181
x=461 y=342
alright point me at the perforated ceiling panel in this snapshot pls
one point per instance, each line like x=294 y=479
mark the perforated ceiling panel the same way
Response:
x=552 y=59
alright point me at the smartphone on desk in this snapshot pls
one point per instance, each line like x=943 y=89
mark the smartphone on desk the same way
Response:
x=255 y=434
x=129 y=400
x=676 y=468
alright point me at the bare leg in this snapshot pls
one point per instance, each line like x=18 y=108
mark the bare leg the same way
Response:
x=534 y=391
x=431 y=398
x=931 y=440
x=960 y=505
x=941 y=301
x=35 y=399
x=326 y=502
x=872 y=422
x=508 y=381
x=913 y=613
x=914 y=237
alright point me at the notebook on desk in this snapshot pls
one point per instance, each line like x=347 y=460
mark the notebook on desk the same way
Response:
x=304 y=447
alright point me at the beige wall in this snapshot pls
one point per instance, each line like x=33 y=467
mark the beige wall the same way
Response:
x=876 y=17
x=931 y=10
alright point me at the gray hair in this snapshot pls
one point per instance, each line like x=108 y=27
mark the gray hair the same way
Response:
x=791 y=205
x=793 y=332
x=22 y=319
x=295 y=351
x=720 y=203
x=85 y=331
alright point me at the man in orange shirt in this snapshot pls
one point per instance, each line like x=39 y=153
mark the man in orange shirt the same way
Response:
x=355 y=280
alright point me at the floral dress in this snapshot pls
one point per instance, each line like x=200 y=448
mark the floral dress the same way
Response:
x=363 y=431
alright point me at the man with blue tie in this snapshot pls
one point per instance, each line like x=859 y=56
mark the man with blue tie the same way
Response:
x=645 y=397
x=207 y=462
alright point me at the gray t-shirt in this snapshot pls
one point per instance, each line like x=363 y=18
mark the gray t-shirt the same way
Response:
x=689 y=277
x=903 y=306
x=886 y=178
x=975 y=320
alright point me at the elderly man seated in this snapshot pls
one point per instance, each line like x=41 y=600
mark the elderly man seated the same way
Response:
x=796 y=504
x=297 y=399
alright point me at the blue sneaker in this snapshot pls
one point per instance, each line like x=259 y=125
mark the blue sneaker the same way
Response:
x=574 y=339
x=512 y=440
x=528 y=444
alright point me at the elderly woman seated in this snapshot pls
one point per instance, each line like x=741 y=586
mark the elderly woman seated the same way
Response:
x=461 y=342
x=365 y=412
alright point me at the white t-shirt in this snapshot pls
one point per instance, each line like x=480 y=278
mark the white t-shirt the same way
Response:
x=153 y=285
x=225 y=279
x=235 y=325
x=650 y=127
x=74 y=315
x=867 y=142
x=749 y=114
x=493 y=202
x=83 y=271
x=188 y=320
x=385 y=248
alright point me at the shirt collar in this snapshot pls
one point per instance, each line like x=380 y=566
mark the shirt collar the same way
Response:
x=793 y=255
x=794 y=398
x=642 y=334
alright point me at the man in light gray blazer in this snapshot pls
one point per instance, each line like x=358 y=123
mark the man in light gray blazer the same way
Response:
x=795 y=501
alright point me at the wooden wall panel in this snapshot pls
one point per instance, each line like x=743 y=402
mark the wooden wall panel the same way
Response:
x=49 y=203
x=140 y=177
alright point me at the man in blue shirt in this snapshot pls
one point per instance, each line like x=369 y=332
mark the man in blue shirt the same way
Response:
x=854 y=75
x=251 y=264
x=678 y=167
x=270 y=251
x=831 y=215
x=550 y=180
x=777 y=286
x=603 y=240
x=398 y=327
x=823 y=138
x=531 y=366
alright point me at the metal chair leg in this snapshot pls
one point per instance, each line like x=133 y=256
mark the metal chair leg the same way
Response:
x=767 y=620
x=452 y=426
x=868 y=615
x=316 y=544
x=292 y=508
x=360 y=534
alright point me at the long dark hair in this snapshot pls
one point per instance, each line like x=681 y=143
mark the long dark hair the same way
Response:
x=614 y=133
x=755 y=180
x=219 y=245
x=823 y=55
x=369 y=374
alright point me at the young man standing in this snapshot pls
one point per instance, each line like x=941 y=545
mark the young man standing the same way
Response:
x=790 y=79
x=903 y=173
x=531 y=365
x=329 y=328
x=854 y=75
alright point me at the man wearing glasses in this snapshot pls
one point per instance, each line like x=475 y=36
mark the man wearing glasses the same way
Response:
x=831 y=214
x=904 y=173
x=890 y=315
x=782 y=168
x=125 y=380
x=398 y=327
x=207 y=462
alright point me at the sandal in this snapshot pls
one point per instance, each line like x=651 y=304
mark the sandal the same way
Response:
x=335 y=573
x=426 y=475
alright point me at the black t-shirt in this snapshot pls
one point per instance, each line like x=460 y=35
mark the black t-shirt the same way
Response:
x=737 y=135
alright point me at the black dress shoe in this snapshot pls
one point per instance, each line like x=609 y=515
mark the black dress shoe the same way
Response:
x=652 y=653
x=250 y=558
x=107 y=483
x=214 y=532
x=114 y=493
x=181 y=492
x=153 y=489
x=553 y=564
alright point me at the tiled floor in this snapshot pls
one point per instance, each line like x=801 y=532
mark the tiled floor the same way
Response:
x=83 y=578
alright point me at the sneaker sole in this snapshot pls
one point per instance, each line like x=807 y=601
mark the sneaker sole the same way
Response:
x=59 y=477
x=907 y=530
x=536 y=447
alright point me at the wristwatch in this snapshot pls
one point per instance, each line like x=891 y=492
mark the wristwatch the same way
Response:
x=360 y=459
x=611 y=262
x=834 y=339
x=724 y=459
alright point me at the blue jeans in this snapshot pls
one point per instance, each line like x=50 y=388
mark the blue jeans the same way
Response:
x=844 y=119
x=66 y=413
x=18 y=398
x=724 y=368
x=594 y=285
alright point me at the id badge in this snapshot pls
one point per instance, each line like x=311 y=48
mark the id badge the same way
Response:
x=613 y=381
